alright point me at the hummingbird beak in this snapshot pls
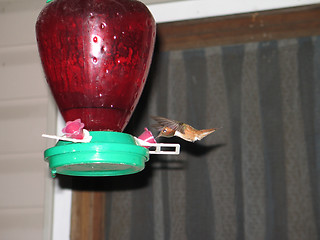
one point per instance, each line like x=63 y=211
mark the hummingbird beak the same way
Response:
x=159 y=135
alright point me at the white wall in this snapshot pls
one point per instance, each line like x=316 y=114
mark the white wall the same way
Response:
x=191 y=9
x=24 y=109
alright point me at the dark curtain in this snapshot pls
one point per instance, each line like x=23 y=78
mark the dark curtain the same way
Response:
x=255 y=178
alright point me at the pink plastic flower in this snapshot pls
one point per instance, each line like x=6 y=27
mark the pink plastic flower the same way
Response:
x=74 y=129
x=147 y=137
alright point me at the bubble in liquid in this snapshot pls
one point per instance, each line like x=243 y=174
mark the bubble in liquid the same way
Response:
x=103 y=49
x=95 y=39
x=103 y=25
x=94 y=60
x=91 y=17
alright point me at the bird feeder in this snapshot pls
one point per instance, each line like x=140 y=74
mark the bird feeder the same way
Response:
x=96 y=56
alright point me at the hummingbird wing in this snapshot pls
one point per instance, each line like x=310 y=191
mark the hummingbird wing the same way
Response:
x=165 y=122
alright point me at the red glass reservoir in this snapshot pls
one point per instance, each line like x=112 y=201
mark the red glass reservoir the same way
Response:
x=96 y=56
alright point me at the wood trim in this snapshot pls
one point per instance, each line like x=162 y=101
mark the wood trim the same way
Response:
x=250 y=27
x=88 y=215
x=88 y=207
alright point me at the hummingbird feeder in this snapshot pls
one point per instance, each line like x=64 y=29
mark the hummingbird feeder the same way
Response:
x=96 y=56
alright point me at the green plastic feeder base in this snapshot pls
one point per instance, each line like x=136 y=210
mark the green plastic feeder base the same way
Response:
x=108 y=154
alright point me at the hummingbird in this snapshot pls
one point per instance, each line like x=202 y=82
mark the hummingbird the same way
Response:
x=169 y=128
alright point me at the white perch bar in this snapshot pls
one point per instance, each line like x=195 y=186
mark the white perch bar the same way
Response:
x=160 y=148
x=87 y=138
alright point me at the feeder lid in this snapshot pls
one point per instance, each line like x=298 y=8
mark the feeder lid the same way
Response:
x=108 y=154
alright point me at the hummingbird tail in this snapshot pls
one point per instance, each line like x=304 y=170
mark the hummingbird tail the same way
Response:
x=206 y=132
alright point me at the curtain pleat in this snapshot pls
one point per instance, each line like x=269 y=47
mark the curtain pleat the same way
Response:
x=257 y=177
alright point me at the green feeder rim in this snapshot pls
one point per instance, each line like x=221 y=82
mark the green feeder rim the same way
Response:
x=108 y=154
